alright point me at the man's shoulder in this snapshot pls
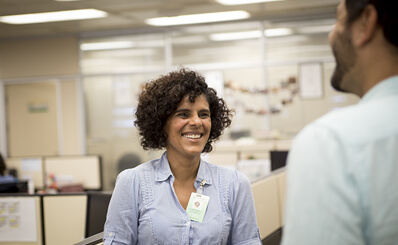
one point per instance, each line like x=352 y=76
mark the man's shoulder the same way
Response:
x=337 y=118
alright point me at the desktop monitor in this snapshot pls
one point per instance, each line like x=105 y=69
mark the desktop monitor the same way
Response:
x=278 y=159
x=97 y=207
x=14 y=187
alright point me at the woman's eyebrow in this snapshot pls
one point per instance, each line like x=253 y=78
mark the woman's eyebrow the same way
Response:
x=182 y=110
x=187 y=110
x=205 y=110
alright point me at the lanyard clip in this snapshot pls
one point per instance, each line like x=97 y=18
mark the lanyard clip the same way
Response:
x=200 y=189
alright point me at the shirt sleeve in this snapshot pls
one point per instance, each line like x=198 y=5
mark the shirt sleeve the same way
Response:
x=322 y=203
x=122 y=218
x=244 y=229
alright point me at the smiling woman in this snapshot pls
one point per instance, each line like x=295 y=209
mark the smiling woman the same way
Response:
x=188 y=128
x=161 y=97
x=157 y=202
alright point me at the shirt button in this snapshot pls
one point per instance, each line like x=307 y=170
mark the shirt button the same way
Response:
x=188 y=223
x=110 y=234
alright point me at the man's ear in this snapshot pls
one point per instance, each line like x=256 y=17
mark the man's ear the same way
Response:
x=366 y=26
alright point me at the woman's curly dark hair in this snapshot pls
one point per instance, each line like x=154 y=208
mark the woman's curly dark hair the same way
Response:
x=160 y=98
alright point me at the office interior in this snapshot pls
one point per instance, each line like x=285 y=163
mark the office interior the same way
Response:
x=67 y=103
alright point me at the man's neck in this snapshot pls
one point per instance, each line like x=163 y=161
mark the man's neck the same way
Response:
x=382 y=72
x=377 y=63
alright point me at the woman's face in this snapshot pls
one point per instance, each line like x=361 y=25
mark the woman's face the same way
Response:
x=188 y=128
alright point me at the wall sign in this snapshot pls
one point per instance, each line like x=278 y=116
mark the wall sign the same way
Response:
x=311 y=80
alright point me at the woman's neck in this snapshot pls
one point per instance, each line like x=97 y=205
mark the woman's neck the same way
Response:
x=184 y=169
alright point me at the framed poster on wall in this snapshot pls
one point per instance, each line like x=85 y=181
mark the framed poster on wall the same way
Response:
x=311 y=80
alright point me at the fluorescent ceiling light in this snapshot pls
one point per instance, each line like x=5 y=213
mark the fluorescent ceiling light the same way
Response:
x=235 y=35
x=198 y=18
x=79 y=14
x=106 y=45
x=250 y=34
x=240 y=2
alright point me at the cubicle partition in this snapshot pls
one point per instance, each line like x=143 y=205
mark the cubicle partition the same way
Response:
x=64 y=218
x=64 y=169
x=28 y=168
x=75 y=169
x=20 y=220
x=42 y=219
x=49 y=219
x=269 y=201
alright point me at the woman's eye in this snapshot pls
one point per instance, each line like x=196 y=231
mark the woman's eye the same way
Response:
x=183 y=114
x=204 y=115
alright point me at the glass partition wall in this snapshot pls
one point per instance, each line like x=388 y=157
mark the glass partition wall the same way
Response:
x=255 y=66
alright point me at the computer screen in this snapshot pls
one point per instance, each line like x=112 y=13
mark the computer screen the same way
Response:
x=278 y=159
x=97 y=207
x=14 y=187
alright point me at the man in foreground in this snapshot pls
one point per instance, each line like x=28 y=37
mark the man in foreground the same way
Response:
x=343 y=168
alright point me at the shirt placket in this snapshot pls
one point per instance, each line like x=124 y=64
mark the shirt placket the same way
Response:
x=187 y=234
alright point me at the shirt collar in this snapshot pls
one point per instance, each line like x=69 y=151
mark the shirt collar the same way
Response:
x=203 y=172
x=163 y=171
x=384 y=88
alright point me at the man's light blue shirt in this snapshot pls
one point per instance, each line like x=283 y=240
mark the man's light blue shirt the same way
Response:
x=343 y=175
x=144 y=208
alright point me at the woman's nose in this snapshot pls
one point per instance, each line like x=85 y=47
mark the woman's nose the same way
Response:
x=195 y=120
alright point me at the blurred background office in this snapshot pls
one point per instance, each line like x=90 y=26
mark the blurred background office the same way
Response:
x=69 y=87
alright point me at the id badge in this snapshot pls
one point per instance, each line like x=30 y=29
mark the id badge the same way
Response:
x=197 y=206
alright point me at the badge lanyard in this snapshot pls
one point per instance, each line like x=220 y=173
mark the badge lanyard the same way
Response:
x=197 y=204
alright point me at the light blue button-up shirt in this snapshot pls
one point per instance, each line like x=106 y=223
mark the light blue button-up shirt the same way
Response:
x=144 y=208
x=343 y=175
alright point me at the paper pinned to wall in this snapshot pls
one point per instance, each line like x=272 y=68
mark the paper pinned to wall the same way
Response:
x=215 y=80
x=31 y=164
x=122 y=92
x=18 y=219
x=311 y=82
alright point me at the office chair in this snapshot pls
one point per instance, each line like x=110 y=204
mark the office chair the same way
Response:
x=129 y=160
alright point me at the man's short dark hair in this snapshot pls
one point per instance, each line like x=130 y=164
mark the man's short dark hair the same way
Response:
x=387 y=15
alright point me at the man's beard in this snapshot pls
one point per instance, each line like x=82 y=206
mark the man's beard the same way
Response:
x=345 y=57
